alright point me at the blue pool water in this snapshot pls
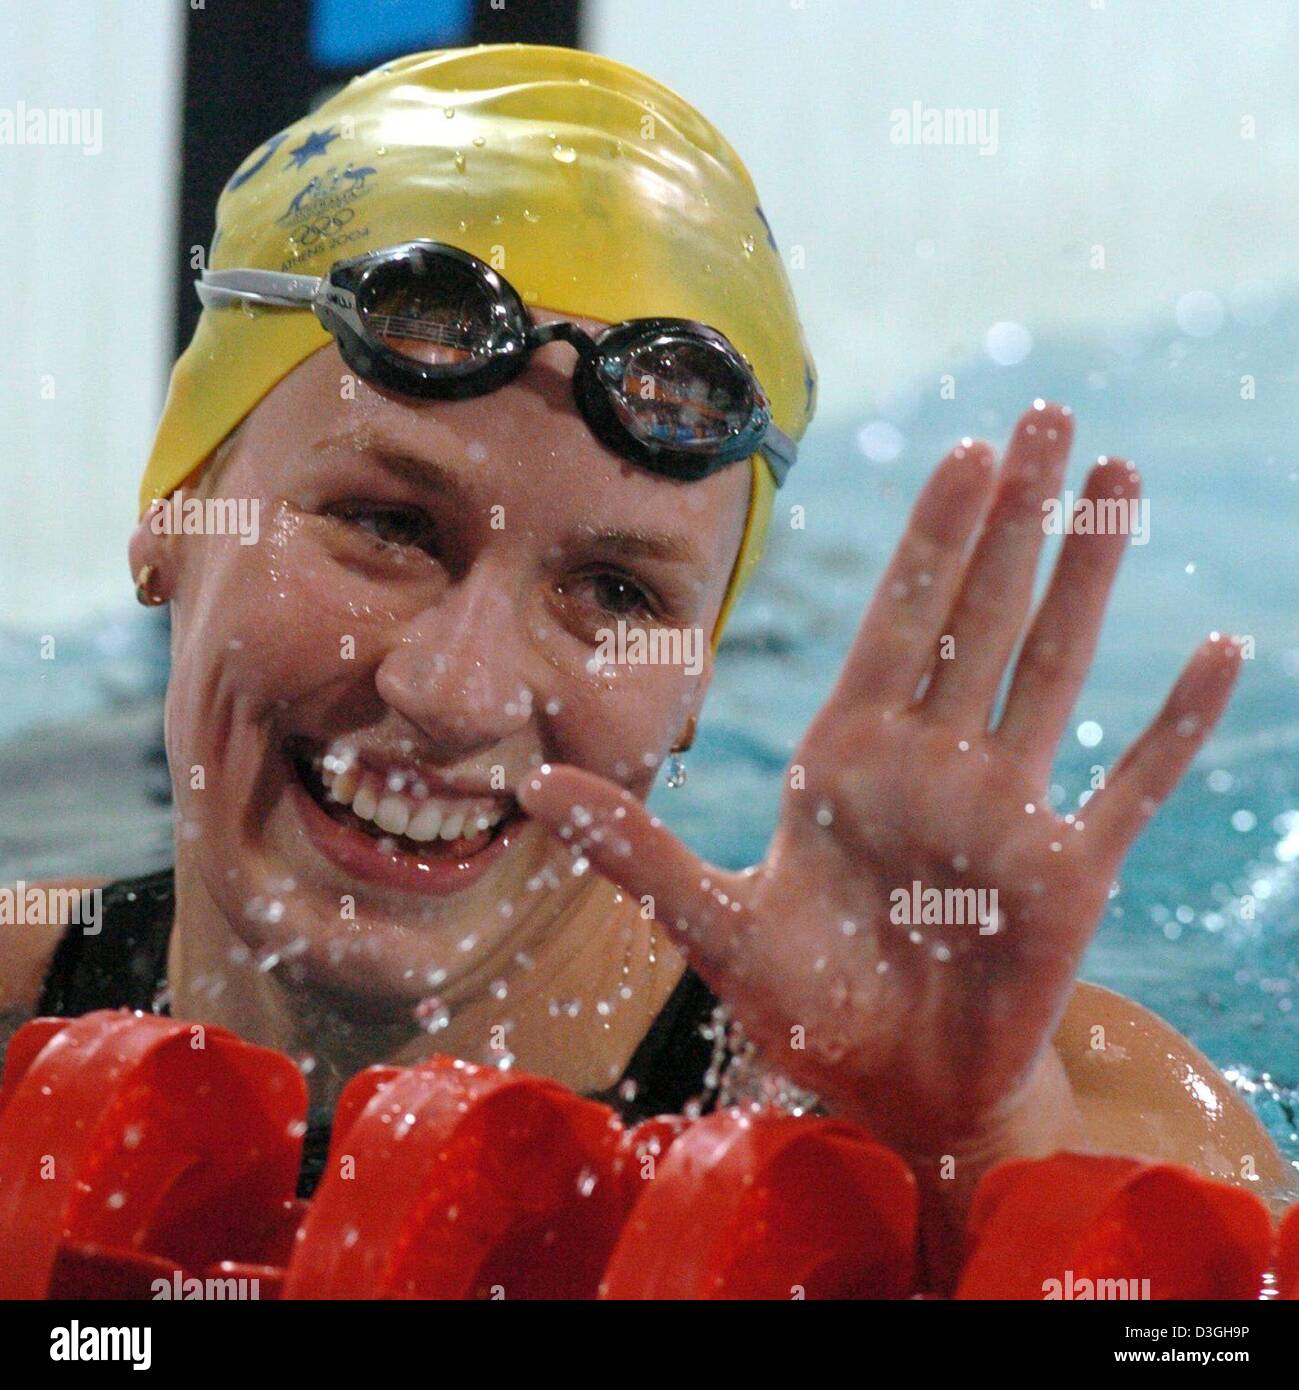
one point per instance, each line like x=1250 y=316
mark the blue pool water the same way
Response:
x=1222 y=474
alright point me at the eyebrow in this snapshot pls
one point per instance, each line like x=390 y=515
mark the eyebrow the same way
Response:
x=645 y=545
x=419 y=472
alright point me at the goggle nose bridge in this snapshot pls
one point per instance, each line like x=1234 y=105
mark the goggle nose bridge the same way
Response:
x=563 y=331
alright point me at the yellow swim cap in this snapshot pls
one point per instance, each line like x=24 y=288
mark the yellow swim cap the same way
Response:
x=593 y=189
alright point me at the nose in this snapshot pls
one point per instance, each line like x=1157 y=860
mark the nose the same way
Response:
x=460 y=668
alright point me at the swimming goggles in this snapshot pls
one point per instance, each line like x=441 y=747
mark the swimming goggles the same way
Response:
x=429 y=320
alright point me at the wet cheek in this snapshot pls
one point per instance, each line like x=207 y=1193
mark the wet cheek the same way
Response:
x=252 y=643
x=289 y=625
x=621 y=726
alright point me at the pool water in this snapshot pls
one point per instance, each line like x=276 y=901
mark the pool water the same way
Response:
x=82 y=789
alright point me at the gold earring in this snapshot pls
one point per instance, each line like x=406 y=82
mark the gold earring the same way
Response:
x=144 y=588
x=687 y=735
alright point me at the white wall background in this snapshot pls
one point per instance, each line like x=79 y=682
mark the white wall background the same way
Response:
x=86 y=267
x=1119 y=124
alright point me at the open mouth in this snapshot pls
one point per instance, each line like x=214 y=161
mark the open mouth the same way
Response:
x=397 y=809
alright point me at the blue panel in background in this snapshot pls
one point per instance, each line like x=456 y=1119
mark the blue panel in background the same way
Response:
x=356 y=33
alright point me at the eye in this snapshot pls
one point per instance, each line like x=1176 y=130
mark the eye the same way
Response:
x=613 y=592
x=398 y=526
x=617 y=594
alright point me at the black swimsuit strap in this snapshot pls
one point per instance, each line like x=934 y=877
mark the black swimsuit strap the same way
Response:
x=124 y=966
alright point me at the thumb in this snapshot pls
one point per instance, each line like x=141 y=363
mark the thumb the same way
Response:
x=604 y=823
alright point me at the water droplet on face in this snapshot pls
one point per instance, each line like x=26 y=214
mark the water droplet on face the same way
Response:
x=749 y=244
x=825 y=814
x=459 y=161
x=432 y=1015
x=263 y=910
x=564 y=154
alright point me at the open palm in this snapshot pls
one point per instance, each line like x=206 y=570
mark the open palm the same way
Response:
x=923 y=1024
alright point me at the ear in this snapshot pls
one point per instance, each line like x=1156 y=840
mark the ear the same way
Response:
x=151 y=545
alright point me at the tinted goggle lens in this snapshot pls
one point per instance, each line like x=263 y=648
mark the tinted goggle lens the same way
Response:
x=431 y=309
x=679 y=392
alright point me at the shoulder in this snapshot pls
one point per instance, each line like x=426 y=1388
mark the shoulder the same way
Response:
x=32 y=923
x=1142 y=1088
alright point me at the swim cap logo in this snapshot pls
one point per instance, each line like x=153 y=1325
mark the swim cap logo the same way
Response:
x=328 y=191
x=320 y=215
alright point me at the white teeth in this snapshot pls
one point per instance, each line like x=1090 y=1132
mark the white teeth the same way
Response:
x=392 y=815
x=426 y=822
x=365 y=803
x=343 y=787
x=397 y=802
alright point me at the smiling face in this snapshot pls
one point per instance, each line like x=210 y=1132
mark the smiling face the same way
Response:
x=354 y=697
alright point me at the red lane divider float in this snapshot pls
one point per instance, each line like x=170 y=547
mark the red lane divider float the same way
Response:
x=1287 y=1256
x=1057 y=1226
x=456 y=1181
x=126 y=1138
x=136 y=1149
x=768 y=1206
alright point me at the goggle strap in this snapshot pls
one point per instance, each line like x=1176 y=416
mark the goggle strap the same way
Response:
x=780 y=451
x=220 y=287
